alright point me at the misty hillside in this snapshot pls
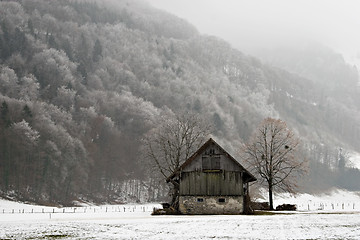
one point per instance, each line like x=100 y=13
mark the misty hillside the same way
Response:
x=320 y=64
x=81 y=82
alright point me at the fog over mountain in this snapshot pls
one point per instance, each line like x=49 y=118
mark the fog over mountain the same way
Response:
x=252 y=26
x=82 y=83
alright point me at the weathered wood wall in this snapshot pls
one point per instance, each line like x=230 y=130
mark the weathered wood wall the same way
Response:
x=225 y=183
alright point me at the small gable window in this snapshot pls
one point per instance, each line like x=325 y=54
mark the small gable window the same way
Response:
x=221 y=200
x=211 y=162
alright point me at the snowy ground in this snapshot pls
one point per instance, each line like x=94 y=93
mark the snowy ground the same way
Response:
x=22 y=221
x=337 y=200
x=354 y=159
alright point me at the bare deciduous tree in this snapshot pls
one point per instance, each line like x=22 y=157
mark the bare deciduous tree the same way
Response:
x=174 y=140
x=271 y=154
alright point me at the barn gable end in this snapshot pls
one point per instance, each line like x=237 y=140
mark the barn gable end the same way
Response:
x=213 y=157
x=212 y=182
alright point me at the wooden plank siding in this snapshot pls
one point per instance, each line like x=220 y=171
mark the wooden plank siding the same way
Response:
x=222 y=183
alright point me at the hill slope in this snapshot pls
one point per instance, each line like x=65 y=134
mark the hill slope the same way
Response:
x=81 y=83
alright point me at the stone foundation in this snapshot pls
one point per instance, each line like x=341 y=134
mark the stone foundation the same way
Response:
x=211 y=204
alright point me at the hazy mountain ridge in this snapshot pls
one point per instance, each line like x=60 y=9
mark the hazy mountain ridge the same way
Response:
x=80 y=83
x=333 y=85
x=326 y=68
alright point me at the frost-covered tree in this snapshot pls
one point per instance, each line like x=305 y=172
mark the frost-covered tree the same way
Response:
x=29 y=88
x=171 y=143
x=271 y=155
x=8 y=82
x=53 y=69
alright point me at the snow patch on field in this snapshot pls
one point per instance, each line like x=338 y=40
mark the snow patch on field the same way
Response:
x=354 y=159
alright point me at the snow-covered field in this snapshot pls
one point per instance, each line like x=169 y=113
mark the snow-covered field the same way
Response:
x=143 y=226
x=23 y=221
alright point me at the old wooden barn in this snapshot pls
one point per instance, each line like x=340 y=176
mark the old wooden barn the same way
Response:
x=212 y=182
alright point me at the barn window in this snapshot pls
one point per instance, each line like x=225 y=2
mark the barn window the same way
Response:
x=215 y=162
x=200 y=200
x=211 y=163
x=221 y=200
x=206 y=163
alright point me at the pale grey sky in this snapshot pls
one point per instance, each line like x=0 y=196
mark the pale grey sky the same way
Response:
x=249 y=24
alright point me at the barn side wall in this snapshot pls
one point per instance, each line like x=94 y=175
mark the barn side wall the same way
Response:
x=224 y=183
x=211 y=204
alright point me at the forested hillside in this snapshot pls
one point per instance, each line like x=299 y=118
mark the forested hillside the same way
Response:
x=81 y=82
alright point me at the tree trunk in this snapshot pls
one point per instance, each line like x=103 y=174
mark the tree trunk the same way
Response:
x=271 y=207
x=247 y=204
x=175 y=195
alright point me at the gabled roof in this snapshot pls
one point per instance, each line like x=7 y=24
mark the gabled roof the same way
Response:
x=248 y=176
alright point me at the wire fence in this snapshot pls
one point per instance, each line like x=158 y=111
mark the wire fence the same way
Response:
x=328 y=206
x=304 y=206
x=87 y=209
